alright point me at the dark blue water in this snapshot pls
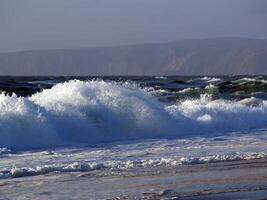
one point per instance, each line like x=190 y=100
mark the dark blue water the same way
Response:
x=235 y=88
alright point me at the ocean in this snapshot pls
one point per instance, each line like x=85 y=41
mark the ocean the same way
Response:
x=82 y=124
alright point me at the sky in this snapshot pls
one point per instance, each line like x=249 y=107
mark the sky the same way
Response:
x=57 y=24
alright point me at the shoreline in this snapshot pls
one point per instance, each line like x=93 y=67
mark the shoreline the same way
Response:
x=222 y=180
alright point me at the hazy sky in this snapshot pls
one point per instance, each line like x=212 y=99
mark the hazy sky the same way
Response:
x=47 y=24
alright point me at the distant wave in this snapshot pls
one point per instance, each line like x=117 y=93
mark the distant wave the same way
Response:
x=160 y=77
x=83 y=112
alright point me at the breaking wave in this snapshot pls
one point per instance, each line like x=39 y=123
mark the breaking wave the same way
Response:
x=83 y=112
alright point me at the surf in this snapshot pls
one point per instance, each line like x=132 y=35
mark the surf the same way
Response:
x=97 y=111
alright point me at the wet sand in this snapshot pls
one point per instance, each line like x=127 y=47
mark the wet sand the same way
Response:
x=225 y=180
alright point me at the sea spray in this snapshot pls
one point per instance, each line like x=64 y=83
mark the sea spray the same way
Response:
x=96 y=111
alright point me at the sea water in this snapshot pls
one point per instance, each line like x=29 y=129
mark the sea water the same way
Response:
x=69 y=124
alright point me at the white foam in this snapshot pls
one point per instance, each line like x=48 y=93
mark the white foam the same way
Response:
x=5 y=151
x=138 y=154
x=78 y=112
x=209 y=79
x=122 y=165
x=160 y=77
x=251 y=80
x=211 y=116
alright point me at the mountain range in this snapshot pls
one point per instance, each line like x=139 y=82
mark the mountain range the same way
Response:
x=216 y=56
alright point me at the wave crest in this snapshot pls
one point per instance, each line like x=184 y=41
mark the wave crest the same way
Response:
x=95 y=111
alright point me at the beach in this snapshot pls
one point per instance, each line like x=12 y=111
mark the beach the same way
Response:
x=232 y=180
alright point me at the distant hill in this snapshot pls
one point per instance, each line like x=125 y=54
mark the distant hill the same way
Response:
x=219 y=56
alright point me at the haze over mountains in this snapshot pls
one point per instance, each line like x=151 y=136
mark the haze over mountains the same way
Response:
x=218 y=56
